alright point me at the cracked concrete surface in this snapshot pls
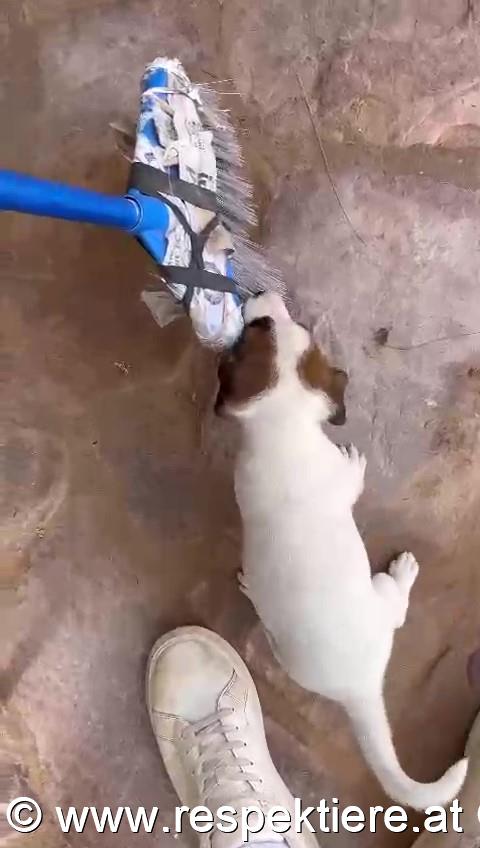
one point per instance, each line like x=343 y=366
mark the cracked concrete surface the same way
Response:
x=118 y=519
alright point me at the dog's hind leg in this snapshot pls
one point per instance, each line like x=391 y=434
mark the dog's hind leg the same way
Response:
x=394 y=588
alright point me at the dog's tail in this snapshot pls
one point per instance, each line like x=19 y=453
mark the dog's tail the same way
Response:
x=375 y=738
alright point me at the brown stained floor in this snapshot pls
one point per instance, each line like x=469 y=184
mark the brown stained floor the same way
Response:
x=118 y=519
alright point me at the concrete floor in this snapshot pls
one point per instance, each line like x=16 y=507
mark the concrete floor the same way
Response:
x=118 y=520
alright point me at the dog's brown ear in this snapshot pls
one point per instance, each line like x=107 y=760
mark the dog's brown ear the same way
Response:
x=316 y=372
x=248 y=368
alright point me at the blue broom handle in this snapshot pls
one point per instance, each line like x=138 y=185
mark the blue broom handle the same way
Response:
x=23 y=193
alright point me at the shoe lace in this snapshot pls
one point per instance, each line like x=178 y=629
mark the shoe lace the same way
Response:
x=218 y=761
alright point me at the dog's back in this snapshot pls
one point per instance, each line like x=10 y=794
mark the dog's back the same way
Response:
x=305 y=567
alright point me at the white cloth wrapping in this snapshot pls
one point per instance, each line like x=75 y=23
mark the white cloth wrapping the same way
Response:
x=170 y=135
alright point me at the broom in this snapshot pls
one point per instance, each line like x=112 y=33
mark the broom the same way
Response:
x=187 y=203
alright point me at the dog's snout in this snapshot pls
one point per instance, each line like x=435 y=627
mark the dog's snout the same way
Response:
x=266 y=304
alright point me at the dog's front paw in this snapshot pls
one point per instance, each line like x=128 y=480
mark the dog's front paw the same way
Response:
x=357 y=460
x=404 y=569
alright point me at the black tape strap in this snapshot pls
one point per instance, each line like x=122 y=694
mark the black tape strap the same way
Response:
x=195 y=275
x=194 y=278
x=152 y=182
x=155 y=183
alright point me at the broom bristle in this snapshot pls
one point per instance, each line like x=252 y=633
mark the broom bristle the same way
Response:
x=252 y=272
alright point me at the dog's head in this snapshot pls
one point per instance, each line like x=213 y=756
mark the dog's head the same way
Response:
x=274 y=362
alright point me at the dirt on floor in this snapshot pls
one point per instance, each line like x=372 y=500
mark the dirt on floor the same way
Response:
x=118 y=515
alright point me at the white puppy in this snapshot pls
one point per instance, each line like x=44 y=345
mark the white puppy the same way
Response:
x=305 y=567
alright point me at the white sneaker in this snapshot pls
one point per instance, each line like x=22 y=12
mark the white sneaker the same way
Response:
x=208 y=724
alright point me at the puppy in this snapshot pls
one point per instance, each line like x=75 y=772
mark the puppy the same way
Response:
x=305 y=567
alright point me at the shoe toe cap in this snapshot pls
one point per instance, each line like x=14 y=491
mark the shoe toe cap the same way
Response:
x=187 y=678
